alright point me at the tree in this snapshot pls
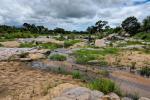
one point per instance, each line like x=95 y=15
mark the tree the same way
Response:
x=100 y=25
x=59 y=30
x=146 y=24
x=131 y=25
x=91 y=29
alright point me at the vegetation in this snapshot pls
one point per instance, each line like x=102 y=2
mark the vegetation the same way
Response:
x=69 y=43
x=146 y=24
x=76 y=74
x=85 y=55
x=51 y=46
x=104 y=85
x=143 y=35
x=58 y=57
x=131 y=25
x=145 y=71
x=17 y=35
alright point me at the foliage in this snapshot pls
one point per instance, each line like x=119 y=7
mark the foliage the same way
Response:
x=145 y=71
x=18 y=35
x=69 y=43
x=58 y=57
x=104 y=85
x=131 y=25
x=76 y=74
x=143 y=36
x=146 y=24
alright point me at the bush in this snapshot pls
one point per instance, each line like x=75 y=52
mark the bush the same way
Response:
x=58 y=57
x=104 y=85
x=76 y=75
x=145 y=71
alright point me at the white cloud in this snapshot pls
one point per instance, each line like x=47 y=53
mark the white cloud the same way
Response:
x=70 y=14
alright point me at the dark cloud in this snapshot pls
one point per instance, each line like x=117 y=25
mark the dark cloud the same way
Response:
x=70 y=14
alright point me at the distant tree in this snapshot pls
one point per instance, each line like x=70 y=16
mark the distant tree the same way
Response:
x=59 y=30
x=100 y=25
x=117 y=29
x=91 y=29
x=146 y=24
x=131 y=25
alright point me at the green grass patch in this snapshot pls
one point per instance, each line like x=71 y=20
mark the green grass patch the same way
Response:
x=76 y=75
x=51 y=46
x=58 y=57
x=104 y=85
x=69 y=43
x=83 y=56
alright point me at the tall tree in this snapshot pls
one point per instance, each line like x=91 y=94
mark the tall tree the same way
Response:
x=100 y=25
x=131 y=25
x=146 y=24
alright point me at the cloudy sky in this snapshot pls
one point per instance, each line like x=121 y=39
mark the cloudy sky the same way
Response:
x=71 y=14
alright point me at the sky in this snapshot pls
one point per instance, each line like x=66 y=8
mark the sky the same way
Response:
x=71 y=14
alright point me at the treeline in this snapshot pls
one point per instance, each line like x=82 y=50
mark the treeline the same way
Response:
x=32 y=28
x=130 y=25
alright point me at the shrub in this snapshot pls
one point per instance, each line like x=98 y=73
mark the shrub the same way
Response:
x=145 y=71
x=58 y=57
x=76 y=75
x=103 y=85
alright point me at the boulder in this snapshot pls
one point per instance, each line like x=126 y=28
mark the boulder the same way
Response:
x=100 y=43
x=36 y=56
x=126 y=98
x=114 y=96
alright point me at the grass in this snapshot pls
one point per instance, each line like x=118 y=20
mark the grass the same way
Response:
x=130 y=43
x=51 y=46
x=104 y=85
x=76 y=75
x=69 y=43
x=58 y=57
x=143 y=36
x=83 y=56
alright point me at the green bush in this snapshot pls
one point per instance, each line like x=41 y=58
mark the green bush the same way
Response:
x=145 y=71
x=76 y=75
x=104 y=85
x=58 y=57
x=69 y=43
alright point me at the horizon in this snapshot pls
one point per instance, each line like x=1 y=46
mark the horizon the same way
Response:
x=71 y=15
